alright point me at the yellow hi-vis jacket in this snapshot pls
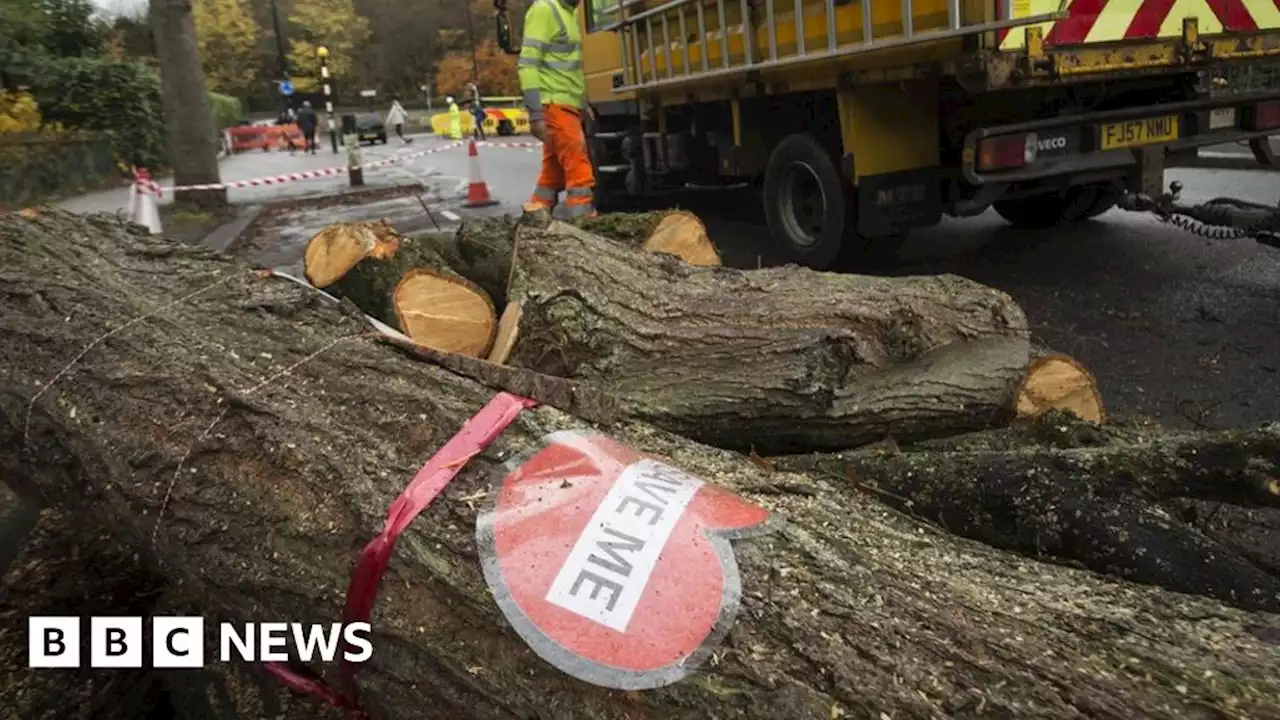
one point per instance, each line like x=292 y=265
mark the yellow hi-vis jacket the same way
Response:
x=550 y=64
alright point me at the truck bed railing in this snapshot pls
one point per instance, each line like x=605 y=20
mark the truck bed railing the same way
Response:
x=646 y=36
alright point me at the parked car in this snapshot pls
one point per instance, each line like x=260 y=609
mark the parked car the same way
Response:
x=369 y=126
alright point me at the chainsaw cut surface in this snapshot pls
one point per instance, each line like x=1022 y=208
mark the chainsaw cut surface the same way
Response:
x=445 y=313
x=1059 y=382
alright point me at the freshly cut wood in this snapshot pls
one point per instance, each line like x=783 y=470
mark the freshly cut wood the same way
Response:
x=678 y=233
x=508 y=331
x=846 y=610
x=1059 y=382
x=335 y=250
x=486 y=245
x=371 y=283
x=779 y=360
x=445 y=312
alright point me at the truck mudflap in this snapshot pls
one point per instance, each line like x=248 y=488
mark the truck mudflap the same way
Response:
x=1218 y=219
x=1101 y=145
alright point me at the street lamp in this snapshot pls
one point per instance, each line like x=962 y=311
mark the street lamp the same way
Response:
x=280 y=56
x=322 y=52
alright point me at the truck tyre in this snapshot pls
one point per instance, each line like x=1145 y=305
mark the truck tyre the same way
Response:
x=1052 y=209
x=806 y=202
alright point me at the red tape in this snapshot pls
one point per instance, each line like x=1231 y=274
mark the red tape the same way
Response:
x=476 y=434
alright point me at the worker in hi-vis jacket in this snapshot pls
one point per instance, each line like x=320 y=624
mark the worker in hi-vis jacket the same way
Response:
x=553 y=86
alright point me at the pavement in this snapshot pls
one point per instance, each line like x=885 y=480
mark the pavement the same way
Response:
x=1176 y=327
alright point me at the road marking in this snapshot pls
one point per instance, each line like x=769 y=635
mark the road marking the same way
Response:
x=450 y=216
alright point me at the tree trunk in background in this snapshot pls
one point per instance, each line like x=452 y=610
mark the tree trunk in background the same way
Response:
x=193 y=143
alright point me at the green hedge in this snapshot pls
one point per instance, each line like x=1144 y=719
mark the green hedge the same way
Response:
x=118 y=99
x=226 y=110
x=36 y=167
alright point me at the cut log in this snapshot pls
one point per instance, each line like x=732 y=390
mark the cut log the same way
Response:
x=675 y=232
x=1059 y=382
x=486 y=244
x=334 y=251
x=444 y=312
x=411 y=285
x=782 y=360
x=1100 y=497
x=508 y=330
x=371 y=283
x=847 y=609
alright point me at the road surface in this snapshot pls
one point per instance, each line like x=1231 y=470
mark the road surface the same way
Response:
x=1176 y=327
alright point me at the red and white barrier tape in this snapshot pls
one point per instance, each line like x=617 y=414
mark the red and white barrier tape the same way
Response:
x=257 y=182
x=517 y=145
x=411 y=156
x=144 y=183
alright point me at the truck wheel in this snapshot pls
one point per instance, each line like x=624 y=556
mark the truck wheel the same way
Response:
x=805 y=202
x=1038 y=212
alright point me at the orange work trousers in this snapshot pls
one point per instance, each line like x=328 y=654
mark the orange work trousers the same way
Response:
x=565 y=164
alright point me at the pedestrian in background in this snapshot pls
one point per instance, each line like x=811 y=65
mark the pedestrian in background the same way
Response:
x=477 y=112
x=397 y=117
x=455 y=119
x=287 y=117
x=307 y=122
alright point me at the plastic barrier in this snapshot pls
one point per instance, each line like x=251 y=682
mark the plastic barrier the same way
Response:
x=264 y=137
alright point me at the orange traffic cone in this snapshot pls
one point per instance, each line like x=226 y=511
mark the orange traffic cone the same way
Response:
x=478 y=190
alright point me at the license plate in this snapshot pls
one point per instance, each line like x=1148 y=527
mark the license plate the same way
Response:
x=1132 y=133
x=1222 y=118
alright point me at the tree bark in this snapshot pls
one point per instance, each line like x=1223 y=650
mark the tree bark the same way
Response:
x=780 y=360
x=848 y=608
x=193 y=141
x=486 y=245
x=1102 y=498
x=68 y=567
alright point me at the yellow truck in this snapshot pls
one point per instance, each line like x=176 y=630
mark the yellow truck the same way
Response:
x=859 y=120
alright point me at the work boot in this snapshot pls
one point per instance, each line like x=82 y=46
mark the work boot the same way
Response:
x=538 y=216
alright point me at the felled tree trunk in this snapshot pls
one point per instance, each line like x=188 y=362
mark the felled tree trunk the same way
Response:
x=1071 y=491
x=847 y=608
x=67 y=568
x=487 y=245
x=411 y=284
x=784 y=359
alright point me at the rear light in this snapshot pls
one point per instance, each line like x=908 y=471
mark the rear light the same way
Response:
x=1007 y=152
x=1266 y=115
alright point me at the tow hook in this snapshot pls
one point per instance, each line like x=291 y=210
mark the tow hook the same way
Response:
x=1218 y=219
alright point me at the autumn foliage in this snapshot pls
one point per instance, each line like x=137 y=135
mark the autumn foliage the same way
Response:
x=496 y=72
x=227 y=35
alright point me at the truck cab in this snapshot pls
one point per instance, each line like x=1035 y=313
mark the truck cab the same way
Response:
x=859 y=120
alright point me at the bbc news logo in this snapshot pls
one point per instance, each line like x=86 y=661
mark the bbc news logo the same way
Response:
x=179 y=642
